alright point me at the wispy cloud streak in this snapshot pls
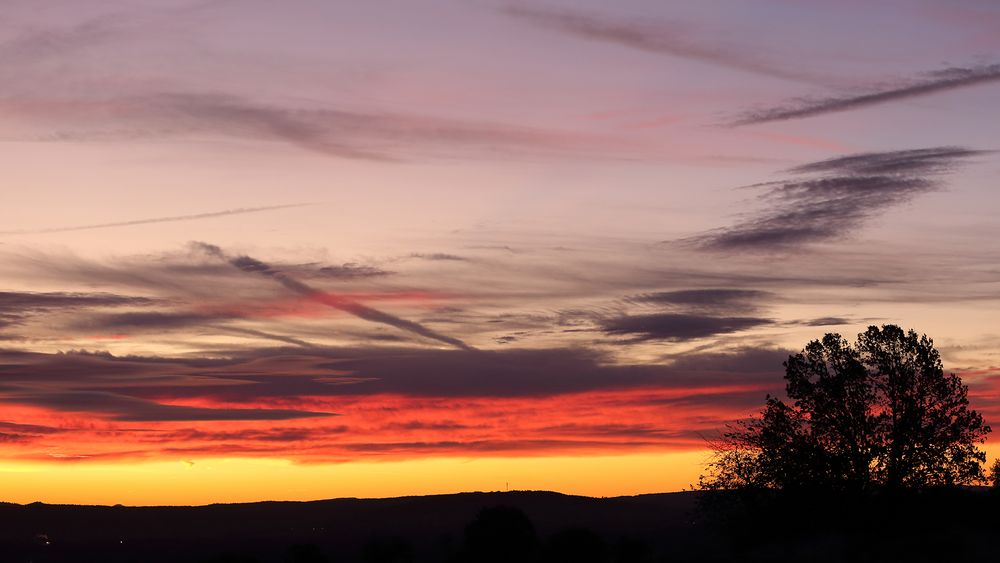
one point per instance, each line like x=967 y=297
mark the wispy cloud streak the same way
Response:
x=941 y=81
x=171 y=219
x=669 y=38
x=377 y=135
x=843 y=194
x=254 y=266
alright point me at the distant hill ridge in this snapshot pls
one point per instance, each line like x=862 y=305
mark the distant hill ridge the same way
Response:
x=946 y=524
x=345 y=524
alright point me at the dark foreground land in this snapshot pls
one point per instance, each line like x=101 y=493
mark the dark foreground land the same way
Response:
x=952 y=525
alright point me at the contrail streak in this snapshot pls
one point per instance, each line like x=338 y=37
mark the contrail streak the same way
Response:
x=254 y=266
x=171 y=219
x=267 y=335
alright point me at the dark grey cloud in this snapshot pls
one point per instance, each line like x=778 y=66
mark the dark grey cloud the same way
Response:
x=741 y=401
x=117 y=388
x=940 y=81
x=254 y=266
x=16 y=306
x=131 y=409
x=22 y=301
x=439 y=256
x=610 y=429
x=706 y=300
x=935 y=160
x=74 y=380
x=79 y=369
x=148 y=320
x=170 y=219
x=28 y=429
x=677 y=327
x=513 y=372
x=676 y=39
x=278 y=434
x=839 y=197
x=493 y=445
x=351 y=270
x=160 y=321
x=829 y=321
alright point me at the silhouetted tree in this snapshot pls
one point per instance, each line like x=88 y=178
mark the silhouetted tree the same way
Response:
x=879 y=413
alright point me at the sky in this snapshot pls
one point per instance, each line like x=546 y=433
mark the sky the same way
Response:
x=256 y=250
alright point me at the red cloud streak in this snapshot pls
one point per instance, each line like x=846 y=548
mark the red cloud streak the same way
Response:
x=396 y=426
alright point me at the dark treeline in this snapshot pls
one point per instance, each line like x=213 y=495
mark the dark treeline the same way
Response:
x=708 y=526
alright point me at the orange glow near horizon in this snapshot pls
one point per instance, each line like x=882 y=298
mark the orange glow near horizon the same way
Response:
x=227 y=480
x=230 y=480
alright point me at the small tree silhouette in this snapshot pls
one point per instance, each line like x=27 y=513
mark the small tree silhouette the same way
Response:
x=880 y=413
x=994 y=476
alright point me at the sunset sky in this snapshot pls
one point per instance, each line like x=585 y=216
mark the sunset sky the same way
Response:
x=297 y=250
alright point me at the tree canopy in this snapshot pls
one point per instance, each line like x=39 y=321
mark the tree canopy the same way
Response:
x=878 y=413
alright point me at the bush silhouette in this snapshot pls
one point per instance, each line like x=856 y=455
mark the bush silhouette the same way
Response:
x=879 y=414
x=994 y=475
